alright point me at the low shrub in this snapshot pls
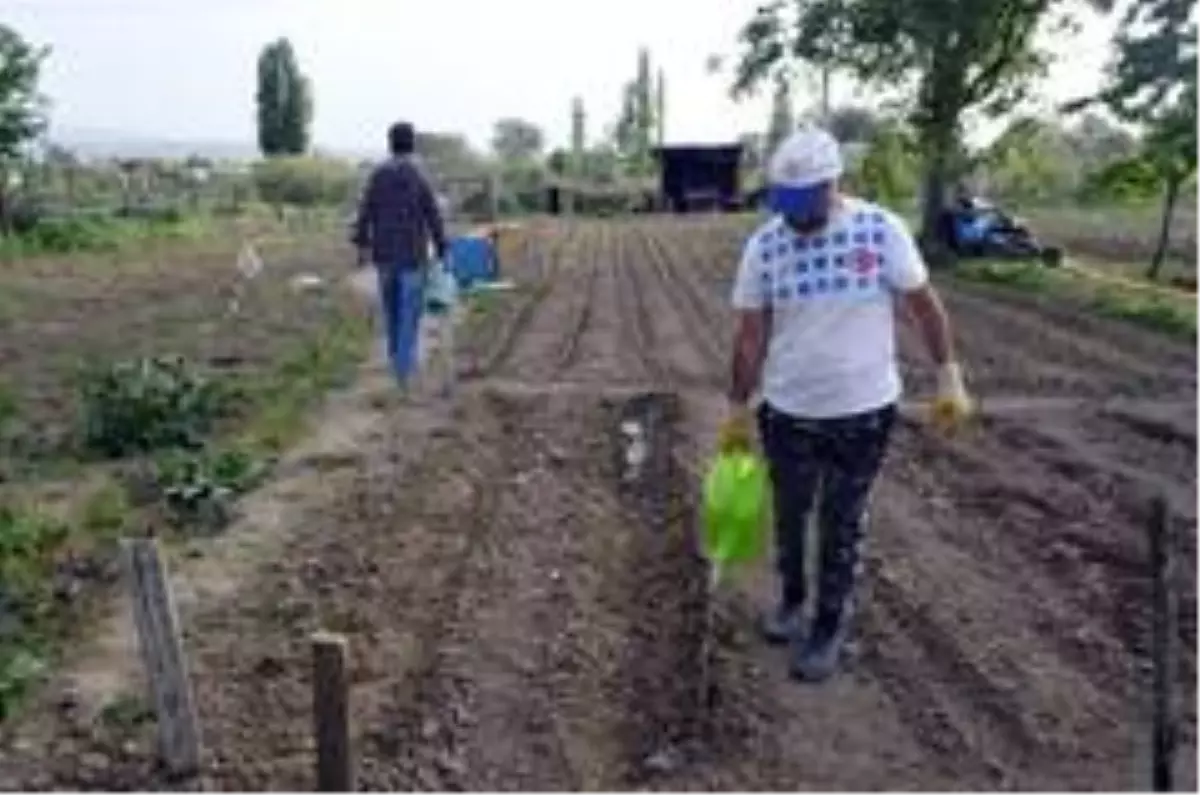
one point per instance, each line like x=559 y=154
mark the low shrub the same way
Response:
x=198 y=488
x=147 y=404
x=304 y=181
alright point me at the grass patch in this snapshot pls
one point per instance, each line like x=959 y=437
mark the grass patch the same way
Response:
x=1168 y=315
x=1154 y=312
x=280 y=399
x=1028 y=276
x=101 y=234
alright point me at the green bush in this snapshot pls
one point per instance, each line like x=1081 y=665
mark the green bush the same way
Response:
x=1128 y=181
x=149 y=403
x=304 y=181
x=100 y=231
x=198 y=488
x=63 y=235
x=27 y=540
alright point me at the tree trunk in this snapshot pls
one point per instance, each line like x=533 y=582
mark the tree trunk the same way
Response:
x=938 y=139
x=1164 y=231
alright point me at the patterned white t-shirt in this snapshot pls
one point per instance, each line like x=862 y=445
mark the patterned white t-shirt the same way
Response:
x=832 y=351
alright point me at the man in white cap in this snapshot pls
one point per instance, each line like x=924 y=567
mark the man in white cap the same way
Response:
x=815 y=295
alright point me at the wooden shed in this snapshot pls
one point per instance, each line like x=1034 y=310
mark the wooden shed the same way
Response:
x=700 y=177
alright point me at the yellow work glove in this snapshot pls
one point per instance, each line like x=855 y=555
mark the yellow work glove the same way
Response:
x=953 y=406
x=736 y=432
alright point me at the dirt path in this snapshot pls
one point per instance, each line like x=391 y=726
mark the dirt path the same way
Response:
x=525 y=613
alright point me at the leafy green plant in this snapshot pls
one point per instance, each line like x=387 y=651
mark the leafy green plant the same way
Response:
x=199 y=488
x=149 y=403
x=20 y=668
x=63 y=235
x=27 y=541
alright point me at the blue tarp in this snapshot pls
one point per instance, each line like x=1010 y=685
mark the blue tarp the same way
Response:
x=472 y=259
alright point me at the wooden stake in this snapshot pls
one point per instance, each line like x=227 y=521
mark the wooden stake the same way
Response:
x=1165 y=618
x=162 y=657
x=331 y=713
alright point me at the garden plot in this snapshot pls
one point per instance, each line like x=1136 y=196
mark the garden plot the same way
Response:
x=522 y=617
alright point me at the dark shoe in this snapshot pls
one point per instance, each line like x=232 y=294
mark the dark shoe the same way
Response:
x=782 y=625
x=817 y=659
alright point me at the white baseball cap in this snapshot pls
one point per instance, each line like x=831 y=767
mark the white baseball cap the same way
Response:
x=800 y=168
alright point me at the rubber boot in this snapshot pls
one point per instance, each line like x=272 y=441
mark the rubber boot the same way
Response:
x=818 y=657
x=782 y=625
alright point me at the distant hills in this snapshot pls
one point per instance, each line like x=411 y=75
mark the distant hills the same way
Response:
x=101 y=144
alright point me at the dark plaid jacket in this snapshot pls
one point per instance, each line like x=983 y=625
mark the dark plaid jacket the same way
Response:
x=398 y=216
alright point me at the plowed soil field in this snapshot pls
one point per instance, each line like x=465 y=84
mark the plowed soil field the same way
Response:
x=526 y=610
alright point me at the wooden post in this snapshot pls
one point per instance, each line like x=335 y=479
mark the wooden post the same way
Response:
x=1163 y=645
x=331 y=713
x=162 y=657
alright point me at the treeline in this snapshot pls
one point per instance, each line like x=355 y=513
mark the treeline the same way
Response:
x=941 y=63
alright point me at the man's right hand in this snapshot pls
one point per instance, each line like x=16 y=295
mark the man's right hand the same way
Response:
x=736 y=431
x=952 y=407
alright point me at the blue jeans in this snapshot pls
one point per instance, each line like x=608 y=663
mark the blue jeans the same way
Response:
x=402 y=295
x=835 y=460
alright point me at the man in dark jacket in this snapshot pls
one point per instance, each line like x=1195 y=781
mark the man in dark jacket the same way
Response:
x=397 y=219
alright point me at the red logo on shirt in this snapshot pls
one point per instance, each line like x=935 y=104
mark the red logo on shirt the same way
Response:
x=865 y=261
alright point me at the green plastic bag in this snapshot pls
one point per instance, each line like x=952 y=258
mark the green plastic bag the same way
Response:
x=737 y=493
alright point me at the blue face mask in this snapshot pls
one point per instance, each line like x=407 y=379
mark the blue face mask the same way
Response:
x=810 y=222
x=805 y=210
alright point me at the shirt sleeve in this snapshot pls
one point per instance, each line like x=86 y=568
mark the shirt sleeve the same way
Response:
x=904 y=267
x=748 y=290
x=432 y=215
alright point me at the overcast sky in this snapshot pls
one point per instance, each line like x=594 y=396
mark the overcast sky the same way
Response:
x=185 y=70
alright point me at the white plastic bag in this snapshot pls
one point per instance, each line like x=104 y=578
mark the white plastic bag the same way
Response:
x=441 y=289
